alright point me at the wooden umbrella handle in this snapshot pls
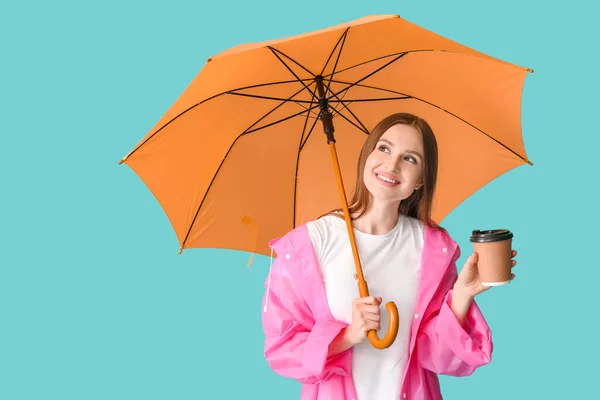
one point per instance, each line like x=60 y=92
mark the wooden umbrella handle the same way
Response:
x=363 y=290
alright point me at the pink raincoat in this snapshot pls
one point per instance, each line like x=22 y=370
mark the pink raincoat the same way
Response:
x=299 y=326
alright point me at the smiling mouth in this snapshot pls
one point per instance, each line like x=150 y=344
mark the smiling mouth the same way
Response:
x=387 y=180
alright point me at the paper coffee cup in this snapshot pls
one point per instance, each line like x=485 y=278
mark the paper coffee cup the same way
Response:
x=493 y=248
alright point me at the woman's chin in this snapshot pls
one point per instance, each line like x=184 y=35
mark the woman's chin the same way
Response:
x=386 y=198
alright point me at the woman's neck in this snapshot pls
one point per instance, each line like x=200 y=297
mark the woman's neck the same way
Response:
x=379 y=218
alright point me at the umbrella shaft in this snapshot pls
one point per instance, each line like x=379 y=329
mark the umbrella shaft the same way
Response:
x=327 y=119
x=325 y=115
x=362 y=285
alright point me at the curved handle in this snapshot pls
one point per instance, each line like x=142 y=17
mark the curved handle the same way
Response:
x=392 y=329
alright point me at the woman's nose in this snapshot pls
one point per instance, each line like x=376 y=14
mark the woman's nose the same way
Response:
x=394 y=166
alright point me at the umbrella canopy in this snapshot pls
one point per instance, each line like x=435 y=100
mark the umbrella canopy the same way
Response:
x=239 y=158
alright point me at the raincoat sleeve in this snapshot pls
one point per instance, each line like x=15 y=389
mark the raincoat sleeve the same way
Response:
x=295 y=345
x=444 y=346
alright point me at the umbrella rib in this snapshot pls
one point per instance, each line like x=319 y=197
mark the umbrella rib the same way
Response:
x=413 y=51
x=375 y=59
x=351 y=85
x=447 y=112
x=337 y=60
x=200 y=103
x=529 y=70
x=275 y=51
x=298 y=163
x=315 y=115
x=255 y=96
x=362 y=129
x=339 y=100
x=309 y=133
x=342 y=36
x=345 y=90
x=306 y=123
x=367 y=100
x=371 y=87
x=279 y=121
x=344 y=105
x=245 y=132
x=298 y=102
x=343 y=42
x=208 y=189
x=274 y=109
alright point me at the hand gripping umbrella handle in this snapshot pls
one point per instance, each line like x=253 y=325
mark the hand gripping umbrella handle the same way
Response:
x=393 y=320
x=363 y=290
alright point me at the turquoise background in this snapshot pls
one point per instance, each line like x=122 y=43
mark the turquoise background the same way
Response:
x=96 y=302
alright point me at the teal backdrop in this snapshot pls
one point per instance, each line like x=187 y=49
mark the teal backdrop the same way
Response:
x=96 y=302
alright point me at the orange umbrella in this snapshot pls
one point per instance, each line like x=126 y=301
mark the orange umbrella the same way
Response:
x=238 y=159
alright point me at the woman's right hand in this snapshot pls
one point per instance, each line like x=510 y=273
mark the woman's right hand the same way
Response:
x=366 y=316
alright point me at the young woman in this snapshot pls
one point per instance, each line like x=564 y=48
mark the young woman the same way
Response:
x=315 y=325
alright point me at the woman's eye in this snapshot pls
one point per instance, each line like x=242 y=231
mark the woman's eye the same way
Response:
x=383 y=148
x=411 y=159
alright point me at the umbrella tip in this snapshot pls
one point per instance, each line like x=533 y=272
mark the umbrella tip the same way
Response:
x=529 y=162
x=180 y=250
x=530 y=70
x=209 y=59
x=125 y=158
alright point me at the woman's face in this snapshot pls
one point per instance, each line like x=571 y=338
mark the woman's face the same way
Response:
x=394 y=169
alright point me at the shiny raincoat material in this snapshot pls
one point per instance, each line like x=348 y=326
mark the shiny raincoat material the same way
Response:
x=299 y=326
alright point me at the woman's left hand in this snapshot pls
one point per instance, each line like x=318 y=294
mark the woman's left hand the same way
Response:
x=469 y=282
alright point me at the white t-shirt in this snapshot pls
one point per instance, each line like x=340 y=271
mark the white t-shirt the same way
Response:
x=391 y=265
